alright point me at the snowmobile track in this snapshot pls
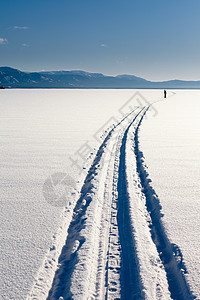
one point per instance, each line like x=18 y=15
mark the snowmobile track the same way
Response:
x=116 y=245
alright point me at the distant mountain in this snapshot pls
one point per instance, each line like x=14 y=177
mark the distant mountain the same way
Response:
x=13 y=78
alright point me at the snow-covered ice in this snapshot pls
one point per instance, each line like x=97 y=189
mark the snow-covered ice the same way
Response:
x=118 y=241
x=39 y=130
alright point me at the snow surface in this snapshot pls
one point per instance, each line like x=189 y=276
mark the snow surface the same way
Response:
x=39 y=130
x=171 y=145
x=113 y=227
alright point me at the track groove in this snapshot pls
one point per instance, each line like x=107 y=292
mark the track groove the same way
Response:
x=130 y=277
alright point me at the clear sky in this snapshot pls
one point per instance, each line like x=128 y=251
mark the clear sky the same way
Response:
x=154 y=39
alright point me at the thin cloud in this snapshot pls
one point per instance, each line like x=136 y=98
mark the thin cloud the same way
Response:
x=3 y=41
x=20 y=27
x=103 y=45
x=25 y=45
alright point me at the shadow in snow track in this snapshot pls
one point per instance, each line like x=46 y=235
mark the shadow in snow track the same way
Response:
x=168 y=252
x=131 y=285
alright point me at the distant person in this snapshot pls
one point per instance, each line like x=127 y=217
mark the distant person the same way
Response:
x=165 y=93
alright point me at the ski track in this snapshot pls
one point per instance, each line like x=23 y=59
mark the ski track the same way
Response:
x=116 y=245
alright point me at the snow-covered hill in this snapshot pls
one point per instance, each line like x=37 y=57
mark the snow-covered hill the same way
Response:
x=13 y=78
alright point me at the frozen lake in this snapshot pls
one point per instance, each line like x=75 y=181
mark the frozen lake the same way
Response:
x=42 y=129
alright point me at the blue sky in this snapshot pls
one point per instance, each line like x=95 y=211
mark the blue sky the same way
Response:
x=154 y=39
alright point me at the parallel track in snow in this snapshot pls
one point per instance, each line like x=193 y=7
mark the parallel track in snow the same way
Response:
x=116 y=246
x=88 y=234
